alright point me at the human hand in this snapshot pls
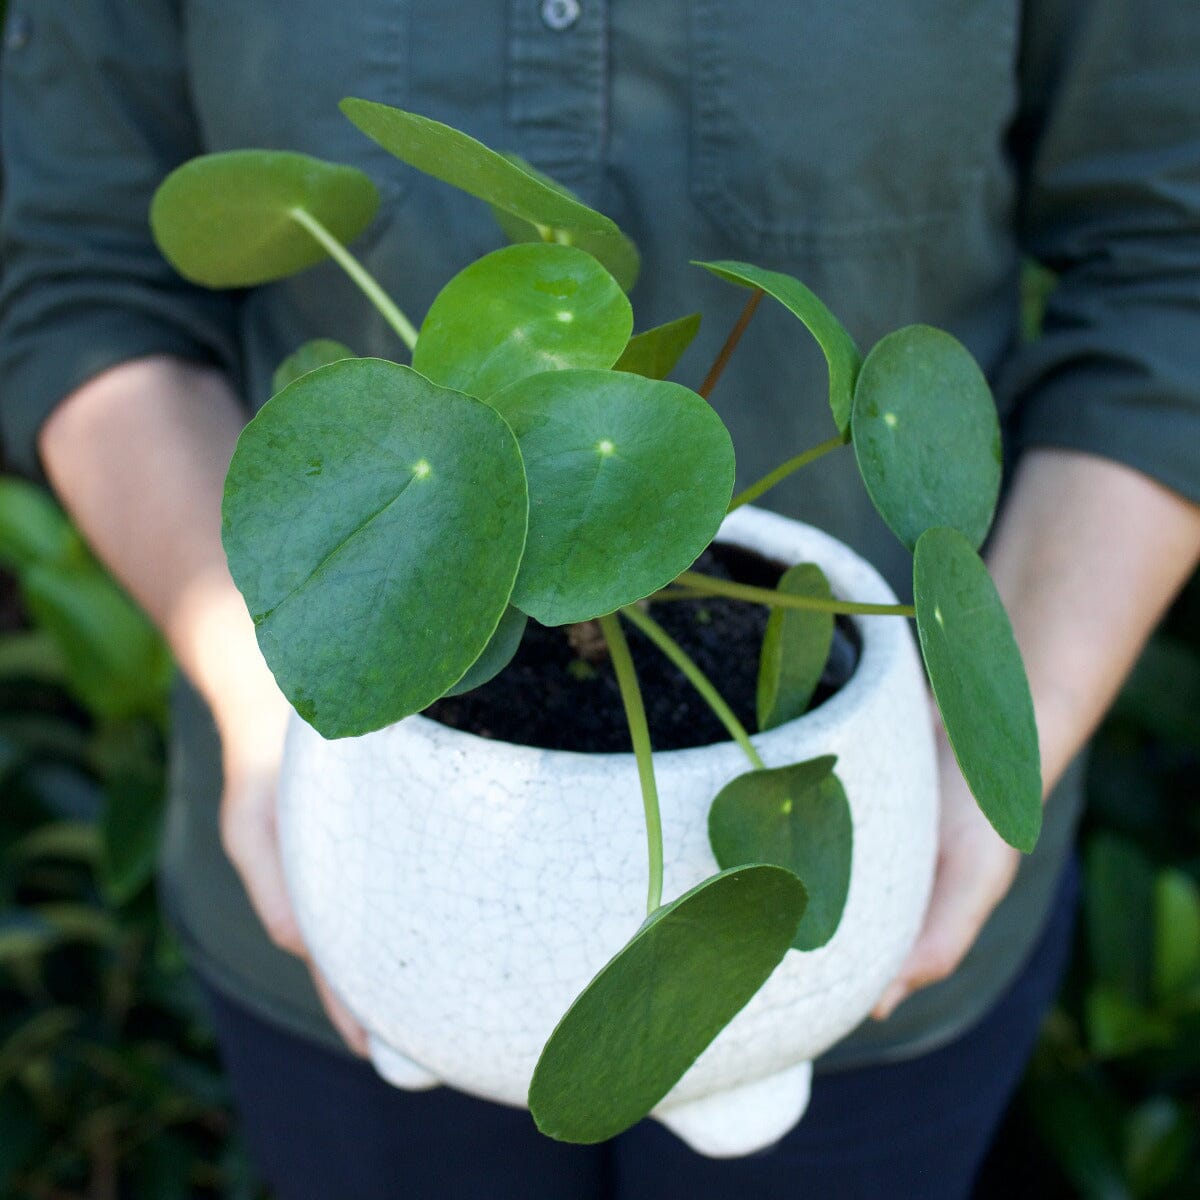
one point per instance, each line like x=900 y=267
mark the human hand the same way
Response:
x=251 y=716
x=975 y=868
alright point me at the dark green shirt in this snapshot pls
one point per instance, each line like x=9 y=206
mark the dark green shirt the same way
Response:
x=899 y=157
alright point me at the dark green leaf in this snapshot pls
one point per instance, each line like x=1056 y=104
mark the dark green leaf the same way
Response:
x=1117 y=1025
x=655 y=352
x=130 y=827
x=796 y=817
x=1176 y=934
x=521 y=311
x=24 y=933
x=75 y=841
x=32 y=654
x=838 y=346
x=794 y=649
x=979 y=683
x=629 y=480
x=457 y=159
x=497 y=654
x=927 y=436
x=320 y=352
x=374 y=522
x=1159 y=1137
x=648 y=1014
x=1119 y=913
x=116 y=663
x=617 y=254
x=33 y=528
x=227 y=220
x=1080 y=1123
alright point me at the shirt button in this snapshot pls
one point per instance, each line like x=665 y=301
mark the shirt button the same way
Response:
x=20 y=27
x=560 y=15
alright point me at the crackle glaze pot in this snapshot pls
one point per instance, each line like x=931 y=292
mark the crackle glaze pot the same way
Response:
x=459 y=893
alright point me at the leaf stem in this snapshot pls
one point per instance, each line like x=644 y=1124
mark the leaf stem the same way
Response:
x=767 y=482
x=735 y=336
x=361 y=276
x=705 y=585
x=639 y=731
x=675 y=652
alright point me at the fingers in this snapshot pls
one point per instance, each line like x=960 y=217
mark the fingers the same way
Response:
x=975 y=869
x=352 y=1033
x=250 y=838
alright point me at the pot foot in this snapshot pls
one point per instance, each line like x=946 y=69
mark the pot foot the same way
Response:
x=397 y=1069
x=742 y=1120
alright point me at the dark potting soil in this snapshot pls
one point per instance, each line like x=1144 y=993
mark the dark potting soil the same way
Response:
x=549 y=697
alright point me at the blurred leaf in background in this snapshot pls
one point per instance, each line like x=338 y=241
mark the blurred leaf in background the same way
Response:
x=109 y=1082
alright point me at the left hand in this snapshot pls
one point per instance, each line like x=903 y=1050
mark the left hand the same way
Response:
x=975 y=869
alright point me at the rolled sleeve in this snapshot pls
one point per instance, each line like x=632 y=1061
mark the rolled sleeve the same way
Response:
x=94 y=113
x=1108 y=146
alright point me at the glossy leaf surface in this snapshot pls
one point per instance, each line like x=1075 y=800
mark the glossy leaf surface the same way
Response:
x=629 y=480
x=836 y=344
x=979 y=683
x=497 y=654
x=794 y=649
x=926 y=435
x=361 y=500
x=617 y=254
x=796 y=817
x=458 y=159
x=649 y=1013
x=655 y=352
x=224 y=220
x=521 y=311
x=320 y=352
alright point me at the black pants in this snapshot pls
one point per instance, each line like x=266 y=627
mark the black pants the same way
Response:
x=324 y=1127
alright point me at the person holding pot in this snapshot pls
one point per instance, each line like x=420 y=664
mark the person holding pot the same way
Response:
x=901 y=159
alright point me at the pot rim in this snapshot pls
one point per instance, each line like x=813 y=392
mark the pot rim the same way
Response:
x=764 y=531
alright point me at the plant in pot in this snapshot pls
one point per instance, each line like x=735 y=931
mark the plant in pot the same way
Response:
x=399 y=531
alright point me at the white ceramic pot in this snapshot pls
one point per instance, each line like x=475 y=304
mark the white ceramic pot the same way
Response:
x=459 y=893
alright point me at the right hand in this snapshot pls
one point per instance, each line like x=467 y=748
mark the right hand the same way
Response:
x=251 y=715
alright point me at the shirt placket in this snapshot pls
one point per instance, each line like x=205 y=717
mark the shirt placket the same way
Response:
x=557 y=87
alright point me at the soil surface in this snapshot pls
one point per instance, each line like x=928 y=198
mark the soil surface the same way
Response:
x=548 y=696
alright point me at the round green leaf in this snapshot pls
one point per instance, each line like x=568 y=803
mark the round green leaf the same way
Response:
x=1176 y=935
x=798 y=818
x=617 y=254
x=374 y=523
x=521 y=311
x=838 y=346
x=225 y=220
x=320 y=352
x=497 y=654
x=640 y=1024
x=629 y=480
x=794 y=649
x=979 y=683
x=458 y=159
x=655 y=352
x=926 y=435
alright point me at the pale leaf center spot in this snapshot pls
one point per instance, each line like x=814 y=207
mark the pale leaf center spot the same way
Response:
x=605 y=447
x=421 y=469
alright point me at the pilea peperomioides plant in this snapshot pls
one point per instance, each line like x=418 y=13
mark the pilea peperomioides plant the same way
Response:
x=393 y=527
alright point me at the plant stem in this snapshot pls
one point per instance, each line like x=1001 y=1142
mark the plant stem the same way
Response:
x=675 y=652
x=635 y=714
x=705 y=585
x=735 y=336
x=365 y=280
x=767 y=482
